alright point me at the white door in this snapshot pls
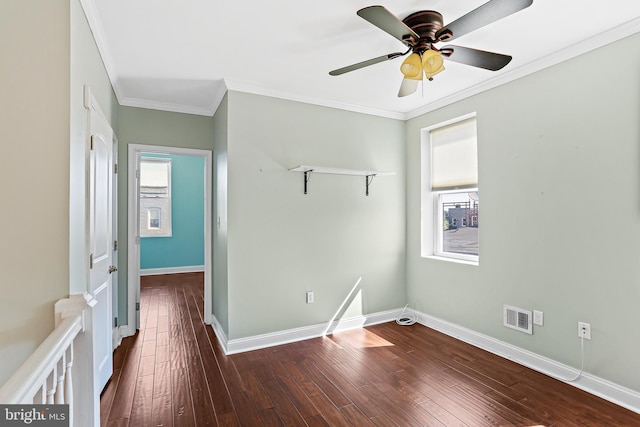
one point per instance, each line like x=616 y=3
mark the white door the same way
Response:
x=101 y=245
x=114 y=246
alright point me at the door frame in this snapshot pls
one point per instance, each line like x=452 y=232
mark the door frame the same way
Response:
x=133 y=238
x=117 y=336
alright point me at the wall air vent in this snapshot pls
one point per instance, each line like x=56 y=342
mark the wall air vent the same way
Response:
x=518 y=319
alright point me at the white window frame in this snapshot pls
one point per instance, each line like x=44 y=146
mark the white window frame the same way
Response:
x=438 y=229
x=431 y=211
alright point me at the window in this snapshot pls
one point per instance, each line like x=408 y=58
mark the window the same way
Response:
x=450 y=201
x=155 y=197
x=154 y=218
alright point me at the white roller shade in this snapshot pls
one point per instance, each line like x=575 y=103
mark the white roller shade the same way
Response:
x=454 y=156
x=154 y=173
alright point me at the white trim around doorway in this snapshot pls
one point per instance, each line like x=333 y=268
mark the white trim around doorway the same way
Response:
x=133 y=254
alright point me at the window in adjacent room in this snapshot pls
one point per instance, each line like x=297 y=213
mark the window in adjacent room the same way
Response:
x=155 y=197
x=450 y=202
x=154 y=218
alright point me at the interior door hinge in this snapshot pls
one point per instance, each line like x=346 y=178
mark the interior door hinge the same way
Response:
x=115 y=322
x=90 y=261
x=137 y=306
x=115 y=245
x=115 y=168
x=137 y=240
x=92 y=142
x=138 y=173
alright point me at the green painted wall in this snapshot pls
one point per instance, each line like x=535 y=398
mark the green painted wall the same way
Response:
x=151 y=127
x=282 y=243
x=88 y=70
x=220 y=294
x=558 y=160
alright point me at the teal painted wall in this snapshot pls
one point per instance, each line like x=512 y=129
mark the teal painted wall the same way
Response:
x=186 y=245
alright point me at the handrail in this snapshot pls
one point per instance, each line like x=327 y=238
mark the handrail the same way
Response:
x=23 y=385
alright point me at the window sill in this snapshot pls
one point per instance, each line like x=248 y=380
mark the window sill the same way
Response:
x=455 y=260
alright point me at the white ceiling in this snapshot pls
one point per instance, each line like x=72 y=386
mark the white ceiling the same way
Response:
x=183 y=55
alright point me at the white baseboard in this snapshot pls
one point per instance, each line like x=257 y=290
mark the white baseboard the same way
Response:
x=217 y=329
x=256 y=342
x=127 y=330
x=605 y=389
x=119 y=333
x=600 y=387
x=172 y=270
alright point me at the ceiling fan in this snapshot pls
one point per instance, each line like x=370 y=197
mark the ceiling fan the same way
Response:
x=421 y=31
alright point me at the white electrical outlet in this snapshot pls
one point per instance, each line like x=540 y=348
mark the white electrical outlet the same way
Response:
x=538 y=318
x=584 y=330
x=309 y=297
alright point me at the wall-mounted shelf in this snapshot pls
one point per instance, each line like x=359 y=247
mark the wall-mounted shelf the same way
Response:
x=368 y=174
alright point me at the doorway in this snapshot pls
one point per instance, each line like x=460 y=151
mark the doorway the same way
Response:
x=135 y=154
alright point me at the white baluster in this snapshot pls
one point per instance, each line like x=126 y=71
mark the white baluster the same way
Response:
x=51 y=386
x=43 y=394
x=68 y=384
x=60 y=383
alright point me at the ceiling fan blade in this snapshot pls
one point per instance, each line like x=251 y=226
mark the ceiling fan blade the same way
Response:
x=365 y=63
x=476 y=58
x=489 y=12
x=387 y=21
x=408 y=87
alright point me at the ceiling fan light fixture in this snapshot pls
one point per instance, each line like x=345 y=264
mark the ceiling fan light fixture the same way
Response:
x=432 y=63
x=412 y=67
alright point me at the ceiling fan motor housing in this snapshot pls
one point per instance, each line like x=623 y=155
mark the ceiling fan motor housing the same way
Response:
x=427 y=24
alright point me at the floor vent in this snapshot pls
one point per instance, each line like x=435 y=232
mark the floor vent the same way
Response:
x=518 y=319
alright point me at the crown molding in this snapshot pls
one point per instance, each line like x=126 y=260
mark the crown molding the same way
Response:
x=166 y=106
x=95 y=25
x=610 y=36
x=607 y=37
x=208 y=110
x=256 y=90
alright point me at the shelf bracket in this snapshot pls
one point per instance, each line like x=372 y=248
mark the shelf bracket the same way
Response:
x=368 y=179
x=307 y=175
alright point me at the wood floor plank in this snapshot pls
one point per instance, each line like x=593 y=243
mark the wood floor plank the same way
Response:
x=219 y=393
x=120 y=422
x=298 y=397
x=284 y=407
x=162 y=380
x=270 y=417
x=163 y=353
x=329 y=411
x=121 y=407
x=355 y=417
x=162 y=412
x=445 y=417
x=174 y=372
x=183 y=415
x=147 y=365
x=108 y=394
x=142 y=404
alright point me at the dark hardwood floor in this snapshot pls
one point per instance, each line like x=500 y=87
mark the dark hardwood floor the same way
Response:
x=174 y=373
